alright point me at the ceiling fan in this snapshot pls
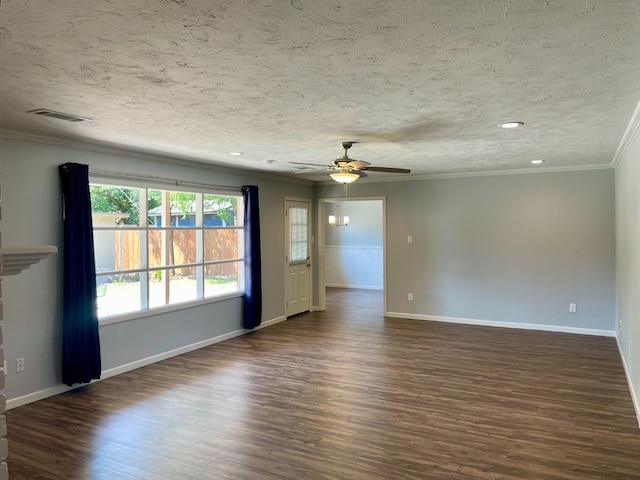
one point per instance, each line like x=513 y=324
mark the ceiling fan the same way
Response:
x=347 y=170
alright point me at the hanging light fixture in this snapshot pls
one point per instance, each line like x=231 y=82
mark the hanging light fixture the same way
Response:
x=336 y=221
x=344 y=176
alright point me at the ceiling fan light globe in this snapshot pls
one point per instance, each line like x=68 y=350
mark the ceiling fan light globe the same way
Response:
x=342 y=177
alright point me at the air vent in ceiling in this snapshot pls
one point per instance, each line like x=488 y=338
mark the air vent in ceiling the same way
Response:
x=59 y=115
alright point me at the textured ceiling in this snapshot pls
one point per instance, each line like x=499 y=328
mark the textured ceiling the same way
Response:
x=423 y=84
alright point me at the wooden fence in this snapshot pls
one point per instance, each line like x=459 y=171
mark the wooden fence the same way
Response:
x=218 y=245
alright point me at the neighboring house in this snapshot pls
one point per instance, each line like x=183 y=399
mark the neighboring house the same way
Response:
x=212 y=215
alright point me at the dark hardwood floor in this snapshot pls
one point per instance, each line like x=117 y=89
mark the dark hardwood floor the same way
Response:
x=347 y=394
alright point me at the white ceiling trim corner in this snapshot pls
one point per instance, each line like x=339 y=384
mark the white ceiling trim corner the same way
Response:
x=629 y=133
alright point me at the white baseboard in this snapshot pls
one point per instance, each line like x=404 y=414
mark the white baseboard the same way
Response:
x=315 y=308
x=362 y=287
x=634 y=397
x=493 y=323
x=39 y=395
x=267 y=323
x=112 y=372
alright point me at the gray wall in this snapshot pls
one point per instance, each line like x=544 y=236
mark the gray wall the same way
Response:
x=32 y=216
x=513 y=248
x=365 y=224
x=628 y=262
x=508 y=248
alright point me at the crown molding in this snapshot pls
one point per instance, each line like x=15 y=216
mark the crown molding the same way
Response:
x=629 y=133
x=192 y=162
x=485 y=173
x=179 y=161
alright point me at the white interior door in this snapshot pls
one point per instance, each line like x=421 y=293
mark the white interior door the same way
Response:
x=298 y=267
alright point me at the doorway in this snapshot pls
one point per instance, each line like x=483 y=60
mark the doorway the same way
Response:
x=352 y=256
x=297 y=257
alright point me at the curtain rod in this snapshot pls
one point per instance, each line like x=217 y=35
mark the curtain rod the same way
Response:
x=163 y=179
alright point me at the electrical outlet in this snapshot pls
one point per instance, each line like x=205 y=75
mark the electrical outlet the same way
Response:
x=4 y=367
x=19 y=365
x=572 y=308
x=410 y=297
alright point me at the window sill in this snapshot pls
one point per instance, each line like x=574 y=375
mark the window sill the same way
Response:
x=125 y=317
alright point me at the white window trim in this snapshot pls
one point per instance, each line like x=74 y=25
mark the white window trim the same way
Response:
x=125 y=317
x=145 y=311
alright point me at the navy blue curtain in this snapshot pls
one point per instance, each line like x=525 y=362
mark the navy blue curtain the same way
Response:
x=80 y=338
x=252 y=262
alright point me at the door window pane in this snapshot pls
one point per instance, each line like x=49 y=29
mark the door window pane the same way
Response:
x=298 y=231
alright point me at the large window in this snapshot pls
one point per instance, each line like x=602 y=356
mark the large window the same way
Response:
x=156 y=247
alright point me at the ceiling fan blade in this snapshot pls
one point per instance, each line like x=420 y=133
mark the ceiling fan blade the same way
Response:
x=386 y=169
x=310 y=164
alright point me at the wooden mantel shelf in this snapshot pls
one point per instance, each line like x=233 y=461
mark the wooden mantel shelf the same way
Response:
x=17 y=259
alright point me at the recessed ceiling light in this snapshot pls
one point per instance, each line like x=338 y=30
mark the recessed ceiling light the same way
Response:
x=235 y=154
x=269 y=161
x=537 y=162
x=512 y=124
